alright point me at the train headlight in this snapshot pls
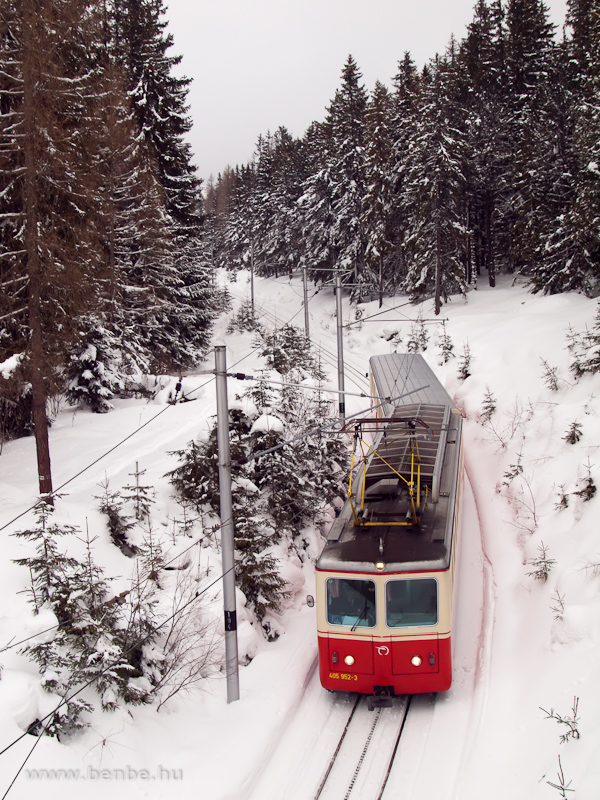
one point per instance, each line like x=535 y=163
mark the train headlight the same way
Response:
x=416 y=661
x=349 y=660
x=380 y=566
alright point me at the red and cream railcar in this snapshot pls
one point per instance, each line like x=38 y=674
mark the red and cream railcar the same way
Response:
x=386 y=576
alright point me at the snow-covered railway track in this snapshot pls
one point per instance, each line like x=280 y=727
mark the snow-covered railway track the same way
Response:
x=363 y=758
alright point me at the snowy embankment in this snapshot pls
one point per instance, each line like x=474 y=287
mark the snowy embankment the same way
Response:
x=522 y=642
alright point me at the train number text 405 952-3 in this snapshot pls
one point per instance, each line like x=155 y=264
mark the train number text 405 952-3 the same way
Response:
x=343 y=676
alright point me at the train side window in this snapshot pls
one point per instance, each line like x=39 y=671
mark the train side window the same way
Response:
x=351 y=602
x=411 y=602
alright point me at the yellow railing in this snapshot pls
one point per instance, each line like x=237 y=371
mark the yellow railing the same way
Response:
x=414 y=491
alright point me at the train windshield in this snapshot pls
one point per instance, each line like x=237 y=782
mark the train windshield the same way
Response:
x=411 y=602
x=351 y=602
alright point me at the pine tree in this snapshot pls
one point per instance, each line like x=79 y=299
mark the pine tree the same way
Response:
x=346 y=119
x=139 y=495
x=139 y=44
x=288 y=348
x=87 y=641
x=482 y=56
x=316 y=204
x=433 y=192
x=378 y=200
x=529 y=61
x=283 y=245
x=50 y=252
x=93 y=377
x=586 y=350
x=405 y=122
x=572 y=257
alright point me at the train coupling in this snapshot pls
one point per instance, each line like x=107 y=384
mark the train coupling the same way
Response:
x=382 y=698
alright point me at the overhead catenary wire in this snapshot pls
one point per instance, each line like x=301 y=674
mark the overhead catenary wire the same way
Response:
x=68 y=620
x=110 y=666
x=321 y=428
x=56 y=491
x=393 y=308
x=240 y=376
x=328 y=356
x=144 y=425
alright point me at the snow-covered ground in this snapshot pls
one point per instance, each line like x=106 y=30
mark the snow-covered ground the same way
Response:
x=522 y=643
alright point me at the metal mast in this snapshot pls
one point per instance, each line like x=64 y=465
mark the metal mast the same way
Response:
x=305 y=282
x=340 y=342
x=231 y=646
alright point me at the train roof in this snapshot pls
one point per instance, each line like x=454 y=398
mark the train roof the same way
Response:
x=429 y=417
x=395 y=374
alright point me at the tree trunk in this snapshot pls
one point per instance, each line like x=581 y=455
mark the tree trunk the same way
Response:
x=34 y=269
x=438 y=265
x=489 y=245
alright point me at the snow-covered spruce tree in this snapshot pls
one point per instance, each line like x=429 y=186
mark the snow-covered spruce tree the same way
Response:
x=315 y=205
x=94 y=378
x=585 y=348
x=288 y=348
x=482 y=57
x=588 y=485
x=574 y=434
x=433 y=192
x=139 y=495
x=464 y=363
x=196 y=478
x=119 y=524
x=405 y=122
x=245 y=319
x=171 y=302
x=334 y=191
x=275 y=495
x=86 y=643
x=532 y=120
x=488 y=406
x=378 y=199
x=571 y=254
x=256 y=568
x=140 y=44
x=254 y=528
x=418 y=337
x=276 y=476
x=542 y=564
x=446 y=345
x=346 y=119
x=49 y=248
x=298 y=481
x=283 y=244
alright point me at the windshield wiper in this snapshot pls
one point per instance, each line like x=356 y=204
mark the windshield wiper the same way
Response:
x=363 y=614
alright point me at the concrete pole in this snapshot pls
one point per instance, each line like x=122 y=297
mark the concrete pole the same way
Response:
x=305 y=285
x=340 y=342
x=227 y=544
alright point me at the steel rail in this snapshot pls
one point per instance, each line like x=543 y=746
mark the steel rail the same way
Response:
x=354 y=771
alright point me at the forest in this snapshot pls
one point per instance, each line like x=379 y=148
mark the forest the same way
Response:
x=483 y=162
x=102 y=275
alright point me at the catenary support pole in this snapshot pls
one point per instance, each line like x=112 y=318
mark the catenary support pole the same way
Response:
x=305 y=286
x=252 y=276
x=227 y=545
x=340 y=342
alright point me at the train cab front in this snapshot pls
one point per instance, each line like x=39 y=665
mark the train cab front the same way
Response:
x=366 y=645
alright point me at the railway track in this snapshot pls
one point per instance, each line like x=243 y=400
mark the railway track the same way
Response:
x=361 y=763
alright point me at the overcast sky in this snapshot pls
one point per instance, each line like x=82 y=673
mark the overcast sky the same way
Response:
x=259 y=64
